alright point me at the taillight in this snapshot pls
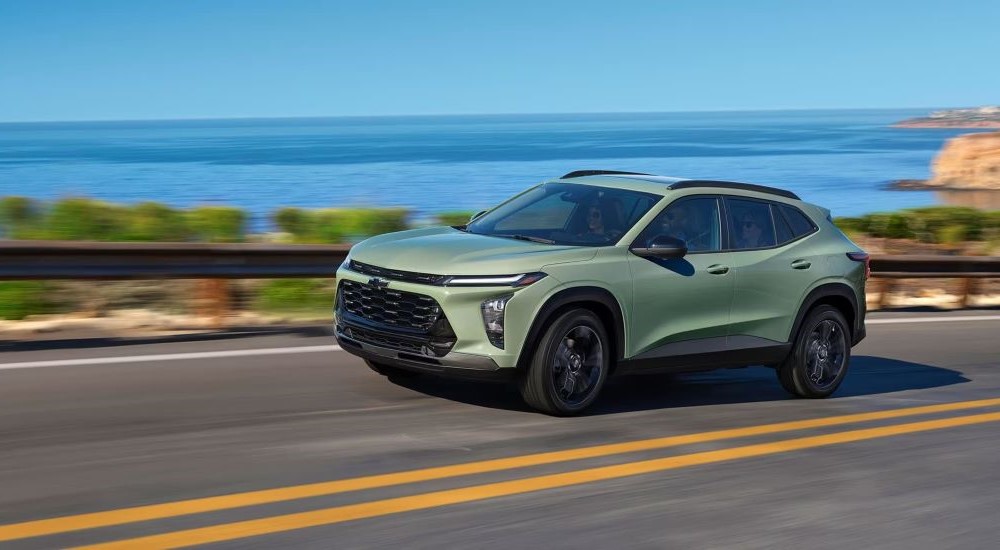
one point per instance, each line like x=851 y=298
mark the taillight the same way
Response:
x=862 y=257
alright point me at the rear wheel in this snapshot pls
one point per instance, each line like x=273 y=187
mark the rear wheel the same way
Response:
x=390 y=371
x=820 y=356
x=569 y=365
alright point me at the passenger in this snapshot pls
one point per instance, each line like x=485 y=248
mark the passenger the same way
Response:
x=750 y=233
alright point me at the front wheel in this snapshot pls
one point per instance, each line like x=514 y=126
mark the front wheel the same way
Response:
x=819 y=358
x=569 y=365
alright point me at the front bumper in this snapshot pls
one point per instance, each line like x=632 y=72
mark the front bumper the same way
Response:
x=456 y=365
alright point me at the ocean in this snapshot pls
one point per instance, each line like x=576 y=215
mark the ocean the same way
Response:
x=841 y=159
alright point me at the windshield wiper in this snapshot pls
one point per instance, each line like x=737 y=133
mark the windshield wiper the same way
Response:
x=528 y=238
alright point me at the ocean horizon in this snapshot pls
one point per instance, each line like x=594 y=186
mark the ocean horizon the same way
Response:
x=841 y=159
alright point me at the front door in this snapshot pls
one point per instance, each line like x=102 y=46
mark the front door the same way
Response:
x=681 y=306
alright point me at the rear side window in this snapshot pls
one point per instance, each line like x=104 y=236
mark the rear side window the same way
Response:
x=751 y=224
x=800 y=223
x=782 y=230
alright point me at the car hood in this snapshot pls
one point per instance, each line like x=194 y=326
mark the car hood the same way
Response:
x=448 y=251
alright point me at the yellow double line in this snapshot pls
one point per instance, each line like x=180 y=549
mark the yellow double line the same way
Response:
x=339 y=514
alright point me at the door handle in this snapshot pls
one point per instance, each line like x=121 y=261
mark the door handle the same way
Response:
x=801 y=264
x=718 y=269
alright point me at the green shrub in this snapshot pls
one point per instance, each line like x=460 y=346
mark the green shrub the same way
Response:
x=217 y=224
x=291 y=220
x=453 y=218
x=295 y=295
x=78 y=219
x=852 y=225
x=19 y=299
x=951 y=234
x=889 y=225
x=150 y=221
x=929 y=221
x=18 y=215
x=338 y=225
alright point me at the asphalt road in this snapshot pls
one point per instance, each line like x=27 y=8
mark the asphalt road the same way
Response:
x=276 y=439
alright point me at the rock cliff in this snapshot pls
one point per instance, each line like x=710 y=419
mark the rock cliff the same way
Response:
x=970 y=161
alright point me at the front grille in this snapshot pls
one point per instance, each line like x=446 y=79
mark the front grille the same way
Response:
x=390 y=307
x=396 y=274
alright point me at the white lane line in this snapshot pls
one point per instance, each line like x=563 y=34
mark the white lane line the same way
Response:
x=168 y=357
x=932 y=319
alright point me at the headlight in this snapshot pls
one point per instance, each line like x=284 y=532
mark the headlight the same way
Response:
x=517 y=281
x=493 y=318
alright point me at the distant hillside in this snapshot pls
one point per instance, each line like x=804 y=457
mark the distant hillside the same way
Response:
x=977 y=117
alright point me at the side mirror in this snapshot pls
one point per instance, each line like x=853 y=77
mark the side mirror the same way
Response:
x=663 y=246
x=476 y=215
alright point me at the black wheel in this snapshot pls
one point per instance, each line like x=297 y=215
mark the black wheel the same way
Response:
x=390 y=371
x=820 y=356
x=569 y=365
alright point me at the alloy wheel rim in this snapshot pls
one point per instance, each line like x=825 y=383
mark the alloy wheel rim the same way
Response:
x=826 y=354
x=578 y=365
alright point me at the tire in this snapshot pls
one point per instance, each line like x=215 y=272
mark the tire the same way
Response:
x=564 y=378
x=390 y=371
x=820 y=355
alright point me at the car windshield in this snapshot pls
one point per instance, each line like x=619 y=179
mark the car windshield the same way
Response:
x=566 y=214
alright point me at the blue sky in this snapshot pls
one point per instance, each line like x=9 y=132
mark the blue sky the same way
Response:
x=97 y=60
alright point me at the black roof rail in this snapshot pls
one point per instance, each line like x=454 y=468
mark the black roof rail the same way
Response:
x=582 y=173
x=688 y=184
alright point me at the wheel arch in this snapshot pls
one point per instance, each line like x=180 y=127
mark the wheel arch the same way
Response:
x=599 y=300
x=838 y=295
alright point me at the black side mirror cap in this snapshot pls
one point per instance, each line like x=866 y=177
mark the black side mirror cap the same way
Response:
x=662 y=246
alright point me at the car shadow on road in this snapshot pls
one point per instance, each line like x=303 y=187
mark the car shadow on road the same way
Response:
x=869 y=375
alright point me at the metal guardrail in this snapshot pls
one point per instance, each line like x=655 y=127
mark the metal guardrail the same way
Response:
x=28 y=260
x=887 y=270
x=21 y=260
x=31 y=260
x=931 y=267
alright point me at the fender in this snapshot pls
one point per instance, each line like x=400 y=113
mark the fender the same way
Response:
x=569 y=297
x=840 y=290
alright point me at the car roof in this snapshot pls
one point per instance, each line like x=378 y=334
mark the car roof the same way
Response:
x=660 y=185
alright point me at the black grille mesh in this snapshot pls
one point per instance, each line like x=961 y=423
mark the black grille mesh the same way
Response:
x=386 y=306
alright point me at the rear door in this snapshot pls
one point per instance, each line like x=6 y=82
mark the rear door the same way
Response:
x=773 y=268
x=676 y=301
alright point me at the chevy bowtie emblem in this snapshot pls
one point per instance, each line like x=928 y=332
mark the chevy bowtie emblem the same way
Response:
x=378 y=283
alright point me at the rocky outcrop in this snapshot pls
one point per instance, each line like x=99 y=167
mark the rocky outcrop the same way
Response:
x=970 y=161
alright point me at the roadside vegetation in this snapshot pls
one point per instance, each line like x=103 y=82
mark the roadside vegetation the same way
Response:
x=946 y=225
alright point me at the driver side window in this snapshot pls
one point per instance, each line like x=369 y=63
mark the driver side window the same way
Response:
x=694 y=220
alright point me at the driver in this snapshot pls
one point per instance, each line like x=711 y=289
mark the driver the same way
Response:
x=595 y=225
x=676 y=223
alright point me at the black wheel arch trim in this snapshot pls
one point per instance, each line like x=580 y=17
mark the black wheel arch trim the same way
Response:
x=569 y=297
x=827 y=290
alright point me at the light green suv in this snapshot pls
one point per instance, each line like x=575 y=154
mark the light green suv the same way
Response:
x=602 y=272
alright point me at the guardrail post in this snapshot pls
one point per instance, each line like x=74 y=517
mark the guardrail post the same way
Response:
x=968 y=290
x=885 y=289
x=213 y=301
